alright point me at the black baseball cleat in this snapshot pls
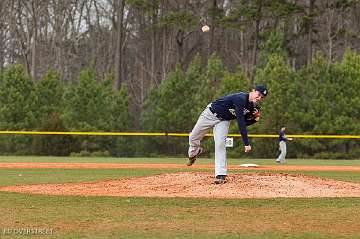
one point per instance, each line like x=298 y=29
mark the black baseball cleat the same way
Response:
x=220 y=179
x=192 y=160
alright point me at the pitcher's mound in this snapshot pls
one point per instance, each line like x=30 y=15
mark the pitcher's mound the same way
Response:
x=198 y=184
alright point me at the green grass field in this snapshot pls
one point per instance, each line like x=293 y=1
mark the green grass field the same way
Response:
x=115 y=217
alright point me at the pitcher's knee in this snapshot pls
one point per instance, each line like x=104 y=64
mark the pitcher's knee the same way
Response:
x=191 y=139
x=220 y=143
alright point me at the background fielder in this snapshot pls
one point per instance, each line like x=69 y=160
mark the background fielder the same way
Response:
x=282 y=146
x=217 y=116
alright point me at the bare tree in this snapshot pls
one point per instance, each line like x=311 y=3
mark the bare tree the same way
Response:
x=310 y=7
x=3 y=32
x=119 y=50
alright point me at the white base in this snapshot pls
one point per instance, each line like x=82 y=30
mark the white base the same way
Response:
x=249 y=165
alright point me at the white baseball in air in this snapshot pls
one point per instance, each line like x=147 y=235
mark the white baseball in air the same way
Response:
x=205 y=28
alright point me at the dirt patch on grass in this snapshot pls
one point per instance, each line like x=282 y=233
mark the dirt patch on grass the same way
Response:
x=200 y=185
x=178 y=166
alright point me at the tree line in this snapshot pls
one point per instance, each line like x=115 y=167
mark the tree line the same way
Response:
x=141 y=41
x=319 y=98
x=131 y=65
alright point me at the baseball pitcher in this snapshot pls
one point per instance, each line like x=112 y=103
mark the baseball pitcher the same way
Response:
x=217 y=116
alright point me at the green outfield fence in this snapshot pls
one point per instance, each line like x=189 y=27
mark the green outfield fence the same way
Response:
x=157 y=144
x=172 y=134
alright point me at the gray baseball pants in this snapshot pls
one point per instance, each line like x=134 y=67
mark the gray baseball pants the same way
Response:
x=207 y=121
x=282 y=148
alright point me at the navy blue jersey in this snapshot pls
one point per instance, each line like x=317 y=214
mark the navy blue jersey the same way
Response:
x=282 y=136
x=235 y=106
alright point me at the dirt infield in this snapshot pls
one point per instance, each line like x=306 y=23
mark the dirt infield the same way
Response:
x=175 y=166
x=200 y=184
x=197 y=184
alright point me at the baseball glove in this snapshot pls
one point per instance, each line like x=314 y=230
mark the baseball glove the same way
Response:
x=254 y=114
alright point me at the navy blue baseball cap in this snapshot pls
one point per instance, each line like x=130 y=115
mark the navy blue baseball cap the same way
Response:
x=262 y=89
